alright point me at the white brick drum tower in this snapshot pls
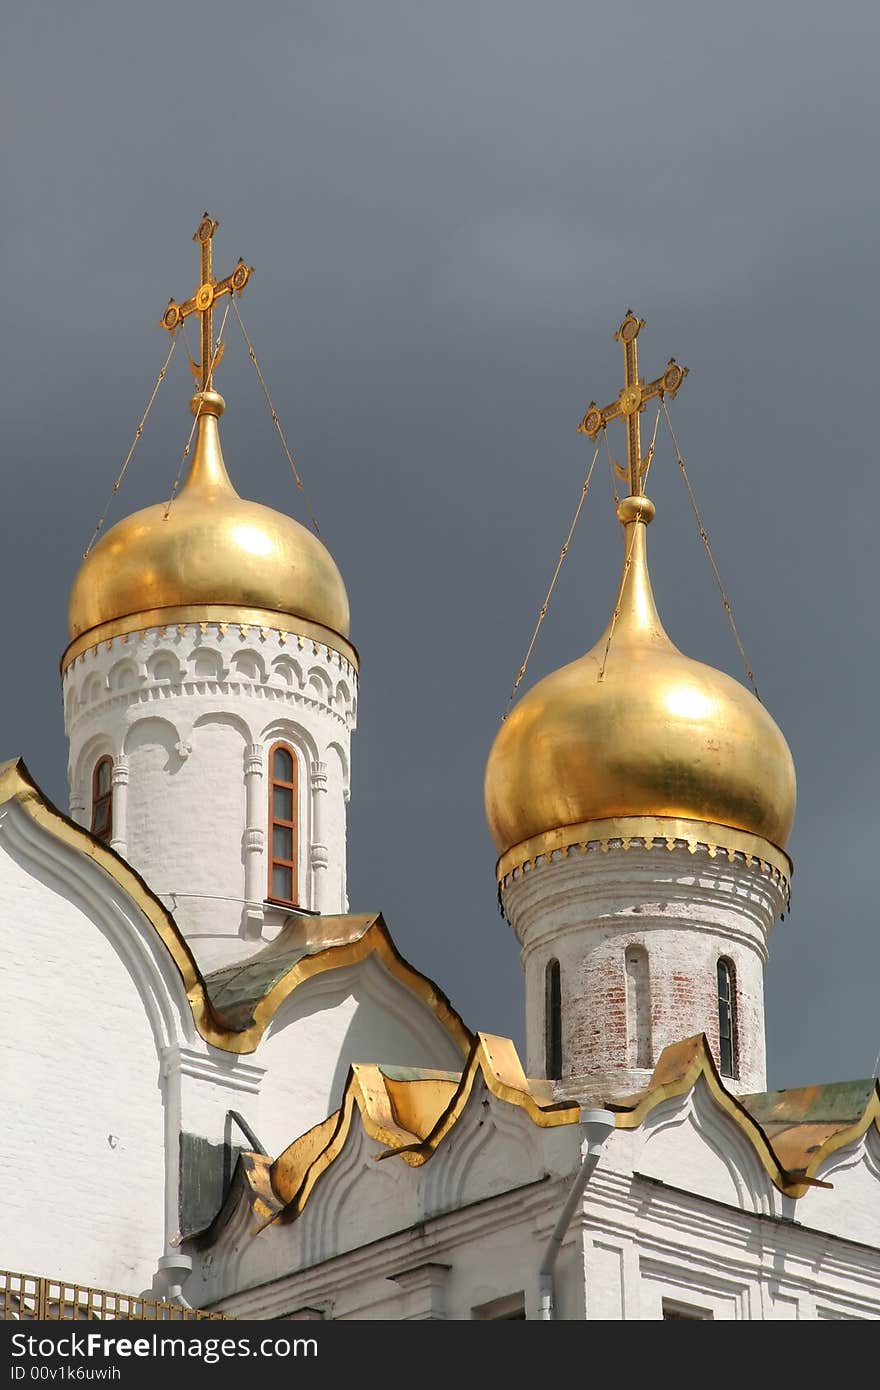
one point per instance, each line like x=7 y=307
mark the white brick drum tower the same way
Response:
x=640 y=803
x=638 y=934
x=210 y=684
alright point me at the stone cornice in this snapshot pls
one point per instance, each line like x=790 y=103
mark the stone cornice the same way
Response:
x=646 y=833
x=201 y=1066
x=206 y=616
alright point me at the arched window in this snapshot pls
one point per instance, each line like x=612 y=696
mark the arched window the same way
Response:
x=553 y=1021
x=282 y=824
x=726 y=1018
x=102 y=799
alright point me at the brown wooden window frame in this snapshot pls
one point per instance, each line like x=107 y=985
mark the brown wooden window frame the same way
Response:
x=275 y=861
x=102 y=799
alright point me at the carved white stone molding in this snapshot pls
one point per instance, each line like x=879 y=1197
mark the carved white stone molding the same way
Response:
x=253 y=760
x=120 y=771
x=254 y=840
x=319 y=856
x=119 y=810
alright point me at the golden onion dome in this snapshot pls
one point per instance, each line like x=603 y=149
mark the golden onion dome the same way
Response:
x=211 y=553
x=653 y=735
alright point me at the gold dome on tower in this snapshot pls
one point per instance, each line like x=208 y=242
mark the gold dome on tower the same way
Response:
x=210 y=548
x=634 y=730
x=659 y=735
x=210 y=555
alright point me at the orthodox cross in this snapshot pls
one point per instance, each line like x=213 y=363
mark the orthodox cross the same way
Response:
x=631 y=401
x=203 y=300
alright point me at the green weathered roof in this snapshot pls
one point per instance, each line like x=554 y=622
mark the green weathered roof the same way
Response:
x=834 y=1103
x=236 y=990
x=245 y=995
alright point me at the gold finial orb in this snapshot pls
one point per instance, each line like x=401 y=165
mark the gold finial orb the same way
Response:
x=207 y=403
x=657 y=736
x=636 y=508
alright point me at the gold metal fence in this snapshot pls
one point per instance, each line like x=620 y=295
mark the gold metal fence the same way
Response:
x=28 y=1298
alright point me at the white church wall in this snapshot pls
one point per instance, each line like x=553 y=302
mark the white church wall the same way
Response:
x=688 y=1255
x=691 y=1143
x=199 y=875
x=88 y=1004
x=211 y=1083
x=681 y=1218
x=357 y=1014
x=494 y=1147
x=338 y=791
x=340 y=1222
x=189 y=714
x=851 y=1207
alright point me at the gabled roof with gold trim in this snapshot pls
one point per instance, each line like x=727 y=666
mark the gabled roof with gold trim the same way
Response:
x=248 y=993
x=807 y=1124
x=410 y=1111
x=792 y=1132
x=233 y=1007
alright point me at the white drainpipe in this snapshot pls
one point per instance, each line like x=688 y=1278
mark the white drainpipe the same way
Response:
x=596 y=1126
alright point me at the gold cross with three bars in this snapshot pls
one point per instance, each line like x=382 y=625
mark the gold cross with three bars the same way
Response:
x=631 y=401
x=202 y=302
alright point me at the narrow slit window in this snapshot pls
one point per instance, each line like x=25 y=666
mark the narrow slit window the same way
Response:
x=553 y=1021
x=282 y=824
x=102 y=799
x=726 y=1018
x=638 y=1007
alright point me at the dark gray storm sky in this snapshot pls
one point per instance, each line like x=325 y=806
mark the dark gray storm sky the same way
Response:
x=450 y=207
